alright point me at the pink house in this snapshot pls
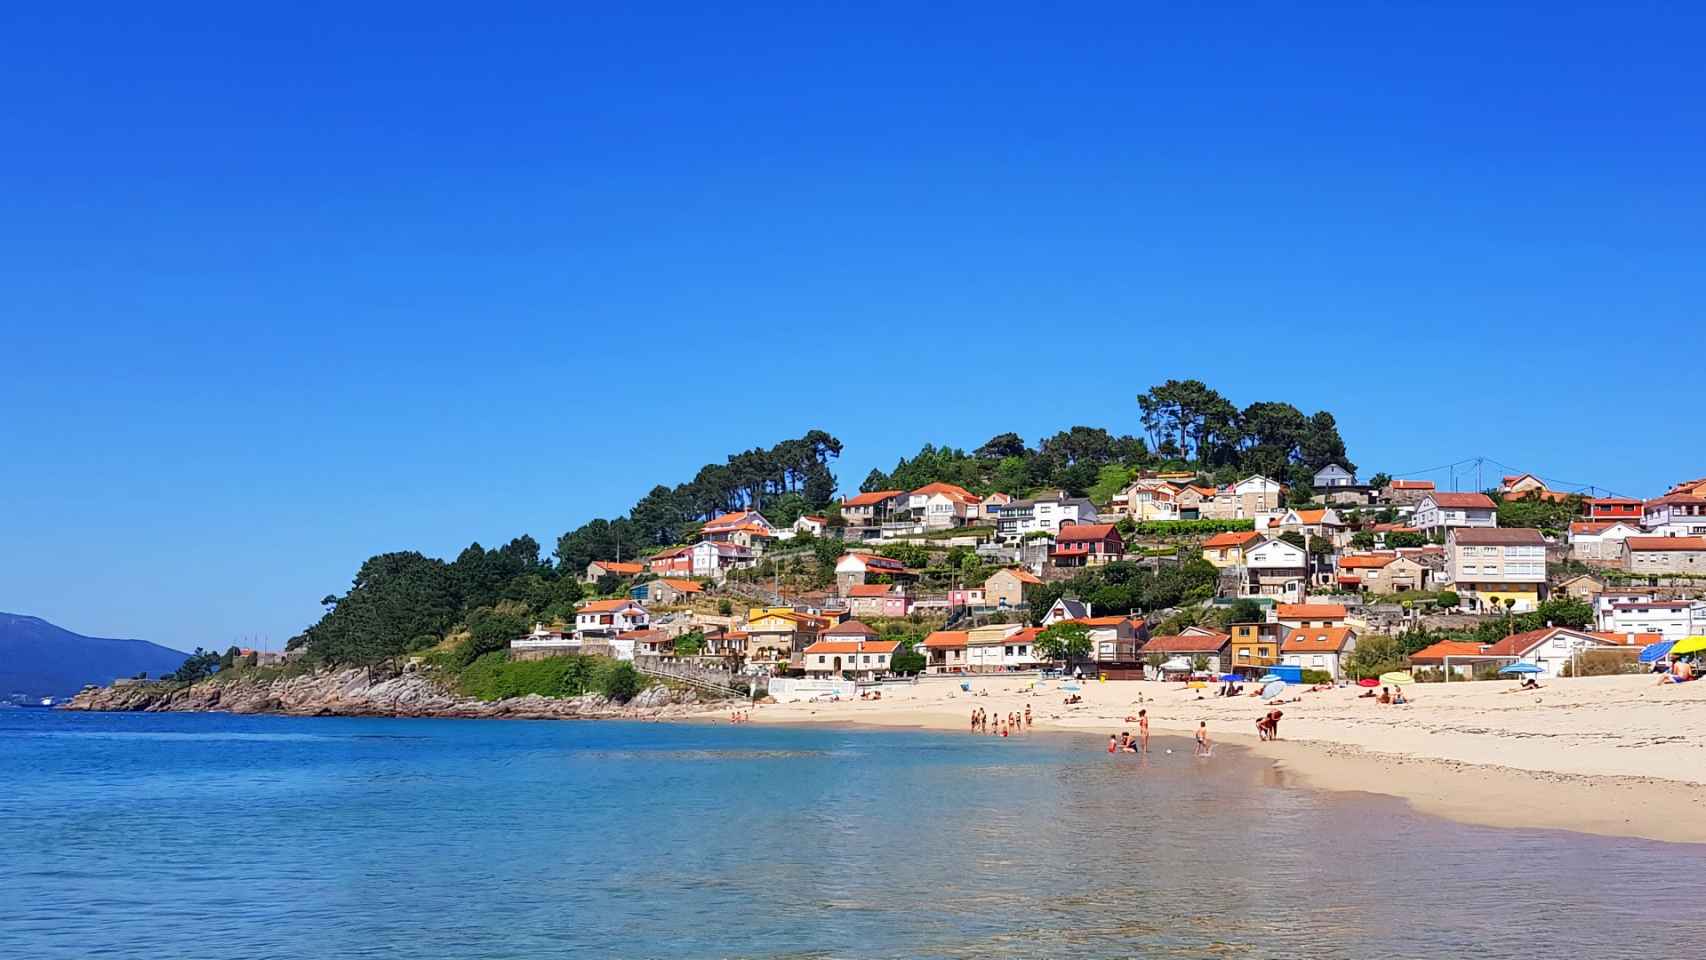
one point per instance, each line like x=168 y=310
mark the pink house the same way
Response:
x=877 y=600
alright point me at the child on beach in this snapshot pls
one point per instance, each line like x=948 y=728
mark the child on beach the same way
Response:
x=1113 y=746
x=1204 y=746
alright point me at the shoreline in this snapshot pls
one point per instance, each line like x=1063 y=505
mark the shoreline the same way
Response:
x=1576 y=756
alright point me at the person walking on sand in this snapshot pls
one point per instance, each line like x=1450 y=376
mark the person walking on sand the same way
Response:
x=1143 y=730
x=1205 y=747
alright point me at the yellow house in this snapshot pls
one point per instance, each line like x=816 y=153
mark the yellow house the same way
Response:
x=1256 y=646
x=775 y=634
x=1227 y=549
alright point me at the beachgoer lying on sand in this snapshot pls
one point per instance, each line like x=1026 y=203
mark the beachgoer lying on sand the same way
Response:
x=1366 y=695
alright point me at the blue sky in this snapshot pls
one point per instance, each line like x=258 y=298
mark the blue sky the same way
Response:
x=286 y=289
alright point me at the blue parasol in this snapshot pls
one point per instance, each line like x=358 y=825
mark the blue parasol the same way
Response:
x=1522 y=666
x=1654 y=652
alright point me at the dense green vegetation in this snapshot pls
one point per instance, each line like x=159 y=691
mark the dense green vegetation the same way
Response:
x=496 y=677
x=1190 y=426
x=1125 y=587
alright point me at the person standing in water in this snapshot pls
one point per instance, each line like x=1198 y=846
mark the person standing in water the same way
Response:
x=1205 y=747
x=1143 y=730
x=1113 y=744
x=1027 y=715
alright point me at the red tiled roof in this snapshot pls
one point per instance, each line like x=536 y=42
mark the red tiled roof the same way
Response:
x=873 y=498
x=1311 y=611
x=1312 y=516
x=850 y=628
x=1084 y=531
x=685 y=586
x=1677 y=500
x=869 y=590
x=1664 y=544
x=1099 y=621
x=1366 y=561
x=1412 y=484
x=734 y=521
x=1592 y=526
x=1316 y=639
x=945 y=639
x=1480 y=500
x=1236 y=538
x=1621 y=501
x=1518 y=644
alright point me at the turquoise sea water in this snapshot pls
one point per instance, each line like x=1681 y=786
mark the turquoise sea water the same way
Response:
x=211 y=836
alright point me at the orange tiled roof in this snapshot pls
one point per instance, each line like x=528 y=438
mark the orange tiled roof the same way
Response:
x=1658 y=544
x=873 y=498
x=1236 y=538
x=945 y=639
x=1316 y=639
x=685 y=586
x=1366 y=561
x=869 y=590
x=1436 y=653
x=853 y=646
x=615 y=567
x=1412 y=484
x=605 y=606
x=951 y=491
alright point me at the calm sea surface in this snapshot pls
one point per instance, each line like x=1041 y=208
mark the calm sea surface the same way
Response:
x=196 y=835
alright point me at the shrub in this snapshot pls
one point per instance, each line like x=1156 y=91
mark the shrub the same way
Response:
x=1447 y=599
x=1317 y=676
x=622 y=683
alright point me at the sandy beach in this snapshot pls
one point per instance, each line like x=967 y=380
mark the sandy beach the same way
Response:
x=1618 y=756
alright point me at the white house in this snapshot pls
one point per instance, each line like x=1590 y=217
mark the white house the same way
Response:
x=1065 y=609
x=1016 y=518
x=940 y=505
x=999 y=648
x=727 y=526
x=1333 y=475
x=1671 y=619
x=864 y=659
x=1275 y=568
x=1318 y=648
x=1675 y=515
x=1443 y=511
x=1605 y=602
x=1600 y=539
x=814 y=525
x=604 y=619
x=1550 y=648
x=712 y=558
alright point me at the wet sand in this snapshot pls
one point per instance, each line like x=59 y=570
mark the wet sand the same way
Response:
x=1616 y=756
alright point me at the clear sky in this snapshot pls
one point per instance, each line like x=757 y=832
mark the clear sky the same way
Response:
x=282 y=289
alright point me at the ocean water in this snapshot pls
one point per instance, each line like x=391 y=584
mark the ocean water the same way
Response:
x=211 y=836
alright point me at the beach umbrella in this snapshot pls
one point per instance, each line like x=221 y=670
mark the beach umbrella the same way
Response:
x=1654 y=652
x=1688 y=645
x=1399 y=677
x=1273 y=690
x=1368 y=682
x=1521 y=667
x=1228 y=676
x=1177 y=663
x=1070 y=686
x=1269 y=678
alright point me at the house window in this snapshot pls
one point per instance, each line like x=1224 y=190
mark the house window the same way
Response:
x=822 y=659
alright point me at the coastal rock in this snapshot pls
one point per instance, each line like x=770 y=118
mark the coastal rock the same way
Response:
x=355 y=692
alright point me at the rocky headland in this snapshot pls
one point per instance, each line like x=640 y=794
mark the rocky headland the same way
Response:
x=351 y=693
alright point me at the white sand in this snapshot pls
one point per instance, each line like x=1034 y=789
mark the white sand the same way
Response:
x=1612 y=755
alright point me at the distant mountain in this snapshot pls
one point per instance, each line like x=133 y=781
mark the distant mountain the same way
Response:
x=42 y=660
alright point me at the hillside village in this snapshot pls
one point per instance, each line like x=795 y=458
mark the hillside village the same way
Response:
x=1170 y=574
